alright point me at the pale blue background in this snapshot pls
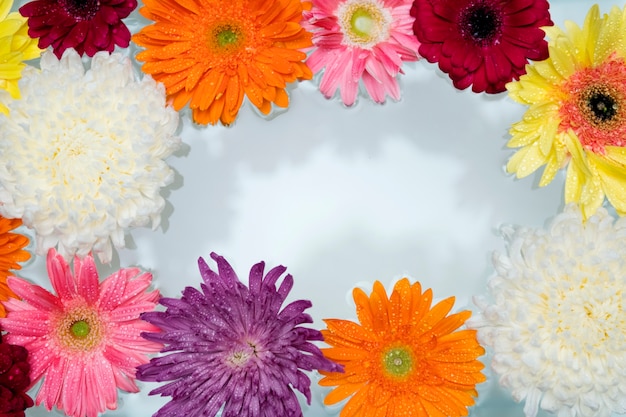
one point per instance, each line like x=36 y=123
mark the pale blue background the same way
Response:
x=343 y=196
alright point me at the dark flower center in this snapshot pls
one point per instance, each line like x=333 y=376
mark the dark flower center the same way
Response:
x=602 y=106
x=81 y=9
x=481 y=23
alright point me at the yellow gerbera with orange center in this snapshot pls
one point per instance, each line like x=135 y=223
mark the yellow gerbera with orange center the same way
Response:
x=404 y=358
x=577 y=112
x=210 y=53
x=11 y=252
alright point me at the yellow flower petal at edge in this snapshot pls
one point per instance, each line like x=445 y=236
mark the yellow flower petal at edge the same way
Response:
x=577 y=112
x=11 y=252
x=211 y=60
x=15 y=48
x=404 y=357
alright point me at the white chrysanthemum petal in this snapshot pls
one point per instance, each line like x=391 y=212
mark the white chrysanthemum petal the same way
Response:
x=557 y=323
x=82 y=153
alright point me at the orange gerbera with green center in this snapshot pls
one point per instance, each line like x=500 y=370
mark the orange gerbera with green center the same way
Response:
x=11 y=252
x=210 y=53
x=404 y=358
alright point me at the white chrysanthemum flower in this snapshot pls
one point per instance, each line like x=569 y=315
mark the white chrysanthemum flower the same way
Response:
x=557 y=326
x=82 y=153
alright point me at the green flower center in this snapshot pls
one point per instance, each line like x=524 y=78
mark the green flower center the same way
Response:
x=363 y=23
x=481 y=23
x=225 y=37
x=398 y=362
x=80 y=329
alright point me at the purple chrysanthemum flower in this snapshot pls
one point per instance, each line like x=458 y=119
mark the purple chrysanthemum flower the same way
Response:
x=234 y=347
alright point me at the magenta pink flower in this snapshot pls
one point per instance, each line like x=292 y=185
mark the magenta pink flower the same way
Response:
x=88 y=26
x=364 y=40
x=85 y=341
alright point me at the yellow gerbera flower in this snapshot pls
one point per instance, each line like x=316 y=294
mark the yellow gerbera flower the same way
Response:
x=210 y=53
x=577 y=114
x=15 y=48
x=404 y=358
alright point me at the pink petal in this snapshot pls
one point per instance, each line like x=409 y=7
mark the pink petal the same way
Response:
x=39 y=357
x=50 y=392
x=60 y=276
x=87 y=279
x=112 y=287
x=101 y=373
x=37 y=297
x=29 y=322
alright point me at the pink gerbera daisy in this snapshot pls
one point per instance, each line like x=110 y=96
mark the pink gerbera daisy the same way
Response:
x=360 y=40
x=85 y=341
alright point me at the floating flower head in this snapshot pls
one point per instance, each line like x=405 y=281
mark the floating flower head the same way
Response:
x=404 y=358
x=84 y=341
x=360 y=40
x=482 y=43
x=82 y=155
x=14 y=380
x=88 y=26
x=11 y=252
x=15 y=48
x=212 y=53
x=234 y=347
x=557 y=325
x=577 y=112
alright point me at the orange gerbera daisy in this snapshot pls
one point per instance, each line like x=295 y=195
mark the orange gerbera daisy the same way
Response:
x=210 y=53
x=11 y=252
x=405 y=358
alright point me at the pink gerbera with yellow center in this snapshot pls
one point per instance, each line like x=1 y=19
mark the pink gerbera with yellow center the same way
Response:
x=358 y=40
x=85 y=341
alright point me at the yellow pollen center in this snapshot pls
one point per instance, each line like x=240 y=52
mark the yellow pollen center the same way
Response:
x=240 y=357
x=364 y=23
x=79 y=329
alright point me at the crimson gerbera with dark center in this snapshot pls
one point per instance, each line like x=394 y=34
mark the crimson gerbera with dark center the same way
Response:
x=482 y=43
x=88 y=26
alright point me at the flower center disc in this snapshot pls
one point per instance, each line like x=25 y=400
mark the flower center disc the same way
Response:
x=481 y=23
x=398 y=362
x=81 y=9
x=79 y=329
x=225 y=37
x=599 y=105
x=363 y=23
x=595 y=105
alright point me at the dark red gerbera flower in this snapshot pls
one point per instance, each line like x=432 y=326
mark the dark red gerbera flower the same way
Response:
x=14 y=380
x=482 y=43
x=88 y=26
